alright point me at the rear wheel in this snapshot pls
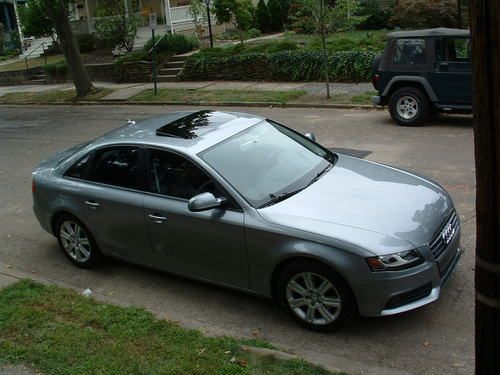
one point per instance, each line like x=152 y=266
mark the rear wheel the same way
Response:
x=76 y=241
x=315 y=296
x=409 y=106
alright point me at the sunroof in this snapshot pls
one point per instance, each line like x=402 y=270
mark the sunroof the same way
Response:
x=194 y=124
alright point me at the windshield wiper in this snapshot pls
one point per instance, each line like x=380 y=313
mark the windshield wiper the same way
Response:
x=320 y=174
x=275 y=198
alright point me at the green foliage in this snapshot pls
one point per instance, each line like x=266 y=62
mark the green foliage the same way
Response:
x=252 y=33
x=425 y=13
x=343 y=15
x=295 y=65
x=285 y=6
x=267 y=48
x=116 y=24
x=2 y=38
x=35 y=20
x=368 y=42
x=59 y=69
x=133 y=57
x=240 y=13
x=263 y=17
x=86 y=42
x=276 y=13
x=376 y=18
x=173 y=44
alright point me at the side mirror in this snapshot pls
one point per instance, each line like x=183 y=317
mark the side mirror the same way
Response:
x=204 y=202
x=311 y=136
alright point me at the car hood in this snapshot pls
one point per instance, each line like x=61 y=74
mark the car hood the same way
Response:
x=376 y=207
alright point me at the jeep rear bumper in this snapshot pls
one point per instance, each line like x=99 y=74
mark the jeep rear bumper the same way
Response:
x=377 y=100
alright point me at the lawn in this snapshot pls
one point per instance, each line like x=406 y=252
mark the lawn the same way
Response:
x=57 y=331
x=51 y=96
x=191 y=95
x=39 y=61
x=355 y=99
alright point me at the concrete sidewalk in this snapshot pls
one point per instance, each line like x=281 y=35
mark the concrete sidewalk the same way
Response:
x=124 y=91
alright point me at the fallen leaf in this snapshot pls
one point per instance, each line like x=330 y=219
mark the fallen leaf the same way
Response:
x=255 y=333
x=427 y=343
x=202 y=350
x=227 y=352
x=233 y=360
x=242 y=363
x=8 y=266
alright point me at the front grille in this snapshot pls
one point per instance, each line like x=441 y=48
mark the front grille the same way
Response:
x=438 y=244
x=408 y=297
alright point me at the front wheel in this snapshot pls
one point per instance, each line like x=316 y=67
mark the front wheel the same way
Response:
x=409 y=106
x=315 y=296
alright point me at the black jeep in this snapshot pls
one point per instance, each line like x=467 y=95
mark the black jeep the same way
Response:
x=423 y=72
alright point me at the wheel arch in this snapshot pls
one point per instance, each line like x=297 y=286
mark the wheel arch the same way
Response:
x=55 y=217
x=410 y=81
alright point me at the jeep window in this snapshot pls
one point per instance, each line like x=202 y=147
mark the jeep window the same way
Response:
x=409 y=52
x=453 y=49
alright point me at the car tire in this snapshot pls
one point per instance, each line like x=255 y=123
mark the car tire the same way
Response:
x=306 y=304
x=409 y=106
x=76 y=241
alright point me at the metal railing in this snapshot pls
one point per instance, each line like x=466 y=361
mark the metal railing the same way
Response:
x=43 y=53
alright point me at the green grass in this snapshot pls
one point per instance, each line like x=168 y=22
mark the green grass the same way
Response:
x=358 y=99
x=57 y=331
x=191 y=95
x=39 y=61
x=51 y=96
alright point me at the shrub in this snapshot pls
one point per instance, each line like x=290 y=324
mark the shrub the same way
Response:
x=298 y=65
x=173 y=43
x=86 y=42
x=252 y=33
x=376 y=17
x=134 y=56
x=276 y=14
x=263 y=17
x=425 y=13
x=59 y=69
x=300 y=18
x=368 y=42
x=115 y=24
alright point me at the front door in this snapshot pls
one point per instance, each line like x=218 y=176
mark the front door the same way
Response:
x=452 y=78
x=208 y=245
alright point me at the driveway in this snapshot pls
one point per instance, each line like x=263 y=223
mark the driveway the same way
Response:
x=436 y=339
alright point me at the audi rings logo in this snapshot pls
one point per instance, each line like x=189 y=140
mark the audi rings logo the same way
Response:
x=448 y=233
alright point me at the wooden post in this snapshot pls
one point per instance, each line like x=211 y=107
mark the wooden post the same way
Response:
x=485 y=28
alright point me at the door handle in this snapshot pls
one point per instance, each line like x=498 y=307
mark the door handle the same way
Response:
x=92 y=204
x=157 y=218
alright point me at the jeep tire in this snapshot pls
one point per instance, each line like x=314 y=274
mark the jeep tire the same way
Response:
x=409 y=106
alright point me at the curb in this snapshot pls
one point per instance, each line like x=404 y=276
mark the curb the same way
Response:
x=217 y=104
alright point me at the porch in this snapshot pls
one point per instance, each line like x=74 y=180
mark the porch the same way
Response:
x=172 y=15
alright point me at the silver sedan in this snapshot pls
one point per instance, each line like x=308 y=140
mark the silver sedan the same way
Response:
x=244 y=202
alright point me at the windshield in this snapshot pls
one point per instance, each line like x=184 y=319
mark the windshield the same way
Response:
x=268 y=162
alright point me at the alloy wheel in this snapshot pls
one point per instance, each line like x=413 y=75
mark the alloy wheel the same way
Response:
x=75 y=241
x=407 y=107
x=313 y=298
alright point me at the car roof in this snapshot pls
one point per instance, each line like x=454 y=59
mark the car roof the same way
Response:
x=187 y=131
x=440 y=31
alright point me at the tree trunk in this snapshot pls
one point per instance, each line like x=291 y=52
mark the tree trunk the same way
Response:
x=485 y=27
x=241 y=34
x=59 y=15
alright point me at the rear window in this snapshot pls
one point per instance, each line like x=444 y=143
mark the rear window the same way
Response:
x=409 y=52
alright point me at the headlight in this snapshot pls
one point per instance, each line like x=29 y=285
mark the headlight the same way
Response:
x=395 y=262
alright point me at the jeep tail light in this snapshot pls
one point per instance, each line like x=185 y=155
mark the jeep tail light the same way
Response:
x=375 y=79
x=33 y=188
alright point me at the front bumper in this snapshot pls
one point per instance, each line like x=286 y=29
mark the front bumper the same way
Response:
x=389 y=293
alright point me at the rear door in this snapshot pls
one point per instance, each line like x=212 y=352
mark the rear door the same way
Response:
x=452 y=78
x=111 y=199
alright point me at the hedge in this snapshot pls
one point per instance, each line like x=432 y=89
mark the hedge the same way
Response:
x=298 y=65
x=173 y=43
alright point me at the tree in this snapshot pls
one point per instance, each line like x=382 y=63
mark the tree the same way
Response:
x=238 y=12
x=263 y=17
x=58 y=13
x=276 y=14
x=285 y=6
x=485 y=28
x=425 y=13
x=2 y=36
x=343 y=15
x=198 y=11
x=35 y=20
x=116 y=24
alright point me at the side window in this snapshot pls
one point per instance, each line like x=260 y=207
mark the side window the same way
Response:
x=78 y=169
x=173 y=175
x=118 y=166
x=453 y=49
x=409 y=52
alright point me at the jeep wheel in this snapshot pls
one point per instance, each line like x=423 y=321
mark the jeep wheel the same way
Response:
x=409 y=106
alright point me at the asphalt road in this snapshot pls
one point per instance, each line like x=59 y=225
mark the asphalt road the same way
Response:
x=436 y=339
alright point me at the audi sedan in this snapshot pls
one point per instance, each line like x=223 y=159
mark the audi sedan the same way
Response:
x=244 y=202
